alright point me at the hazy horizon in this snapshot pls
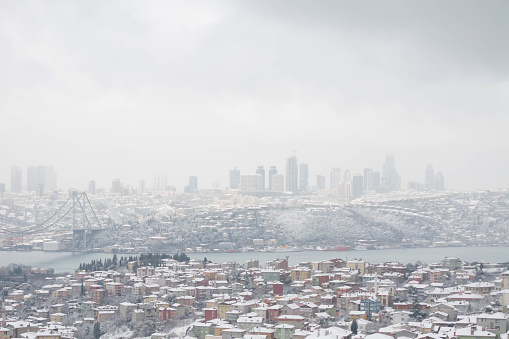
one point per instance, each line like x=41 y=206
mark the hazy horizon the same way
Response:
x=128 y=90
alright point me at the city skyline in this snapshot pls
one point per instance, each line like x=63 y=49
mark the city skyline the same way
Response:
x=299 y=181
x=188 y=88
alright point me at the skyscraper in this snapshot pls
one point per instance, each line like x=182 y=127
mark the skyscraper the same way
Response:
x=261 y=171
x=439 y=182
x=430 y=178
x=2 y=190
x=278 y=183
x=357 y=185
x=31 y=178
x=251 y=182
x=193 y=184
x=234 y=178
x=116 y=186
x=320 y=182
x=390 y=174
x=368 y=172
x=141 y=186
x=91 y=187
x=335 y=179
x=272 y=171
x=292 y=174
x=303 y=177
x=15 y=179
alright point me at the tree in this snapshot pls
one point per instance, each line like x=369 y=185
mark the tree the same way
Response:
x=97 y=330
x=354 y=326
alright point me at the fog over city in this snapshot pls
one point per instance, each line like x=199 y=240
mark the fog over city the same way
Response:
x=128 y=90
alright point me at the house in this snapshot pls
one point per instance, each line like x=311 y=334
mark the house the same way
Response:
x=494 y=322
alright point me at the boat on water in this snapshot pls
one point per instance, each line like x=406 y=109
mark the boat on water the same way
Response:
x=360 y=248
x=338 y=247
x=284 y=249
x=231 y=250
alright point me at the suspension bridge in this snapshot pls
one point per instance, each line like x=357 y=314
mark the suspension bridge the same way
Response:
x=76 y=214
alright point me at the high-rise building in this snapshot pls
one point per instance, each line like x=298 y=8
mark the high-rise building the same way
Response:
x=141 y=187
x=41 y=175
x=303 y=177
x=278 y=183
x=234 y=178
x=335 y=179
x=347 y=177
x=31 y=178
x=375 y=180
x=2 y=189
x=320 y=182
x=391 y=177
x=15 y=179
x=292 y=174
x=272 y=171
x=430 y=178
x=40 y=190
x=251 y=182
x=160 y=183
x=261 y=172
x=91 y=187
x=116 y=186
x=357 y=185
x=193 y=184
x=368 y=172
x=439 y=182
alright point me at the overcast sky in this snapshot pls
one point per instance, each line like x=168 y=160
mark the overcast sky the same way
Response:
x=128 y=89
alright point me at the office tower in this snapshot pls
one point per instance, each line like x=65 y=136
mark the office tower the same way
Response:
x=292 y=174
x=375 y=180
x=31 y=178
x=414 y=186
x=141 y=187
x=193 y=184
x=234 y=178
x=15 y=179
x=320 y=182
x=116 y=186
x=261 y=171
x=344 y=190
x=439 y=182
x=303 y=177
x=357 y=185
x=251 y=182
x=391 y=177
x=91 y=187
x=368 y=172
x=347 y=177
x=430 y=178
x=278 y=183
x=272 y=171
x=41 y=175
x=335 y=179
x=40 y=190
x=160 y=184
x=2 y=190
